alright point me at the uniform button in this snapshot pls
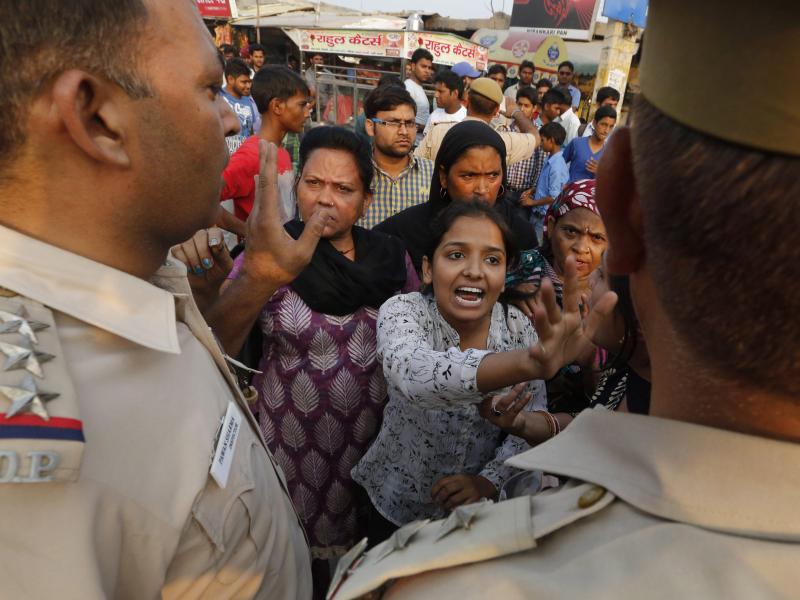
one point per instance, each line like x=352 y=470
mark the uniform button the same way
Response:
x=250 y=395
x=591 y=496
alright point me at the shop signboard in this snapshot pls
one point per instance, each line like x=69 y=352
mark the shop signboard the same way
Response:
x=217 y=9
x=510 y=48
x=568 y=19
x=350 y=41
x=447 y=49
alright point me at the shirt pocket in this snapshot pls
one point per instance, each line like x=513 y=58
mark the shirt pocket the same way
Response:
x=230 y=520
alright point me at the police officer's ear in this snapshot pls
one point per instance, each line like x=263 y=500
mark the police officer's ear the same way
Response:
x=92 y=111
x=618 y=200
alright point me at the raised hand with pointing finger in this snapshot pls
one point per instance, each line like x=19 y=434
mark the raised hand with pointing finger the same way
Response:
x=272 y=257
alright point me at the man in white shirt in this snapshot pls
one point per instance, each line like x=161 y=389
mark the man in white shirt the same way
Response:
x=449 y=89
x=568 y=119
x=421 y=71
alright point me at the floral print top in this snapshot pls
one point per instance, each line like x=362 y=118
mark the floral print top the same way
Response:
x=321 y=395
x=431 y=427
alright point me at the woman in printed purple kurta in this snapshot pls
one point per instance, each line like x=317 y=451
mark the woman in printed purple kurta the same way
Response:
x=321 y=389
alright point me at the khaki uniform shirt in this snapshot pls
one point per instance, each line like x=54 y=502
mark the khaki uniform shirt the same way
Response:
x=656 y=509
x=119 y=502
x=519 y=146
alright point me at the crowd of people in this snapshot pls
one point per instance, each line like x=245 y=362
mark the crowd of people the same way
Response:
x=375 y=361
x=418 y=353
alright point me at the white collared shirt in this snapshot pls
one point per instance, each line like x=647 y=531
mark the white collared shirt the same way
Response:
x=571 y=124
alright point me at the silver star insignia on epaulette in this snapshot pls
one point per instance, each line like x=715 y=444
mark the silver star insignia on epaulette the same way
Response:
x=461 y=518
x=21 y=323
x=27 y=398
x=344 y=565
x=20 y=357
x=400 y=538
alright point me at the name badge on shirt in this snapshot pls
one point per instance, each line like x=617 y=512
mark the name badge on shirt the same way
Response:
x=226 y=445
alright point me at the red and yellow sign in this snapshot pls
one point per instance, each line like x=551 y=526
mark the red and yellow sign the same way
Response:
x=447 y=49
x=215 y=9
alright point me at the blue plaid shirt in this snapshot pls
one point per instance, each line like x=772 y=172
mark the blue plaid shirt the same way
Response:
x=391 y=196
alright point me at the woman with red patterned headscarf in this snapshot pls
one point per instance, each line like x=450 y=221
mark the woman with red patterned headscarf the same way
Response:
x=573 y=228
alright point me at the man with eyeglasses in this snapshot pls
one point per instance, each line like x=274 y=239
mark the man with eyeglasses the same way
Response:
x=401 y=179
x=566 y=71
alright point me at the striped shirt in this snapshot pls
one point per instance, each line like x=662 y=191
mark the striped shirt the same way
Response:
x=392 y=195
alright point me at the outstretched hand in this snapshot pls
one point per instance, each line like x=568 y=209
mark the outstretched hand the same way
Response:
x=565 y=333
x=273 y=256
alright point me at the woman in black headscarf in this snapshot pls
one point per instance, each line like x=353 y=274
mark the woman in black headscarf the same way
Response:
x=470 y=165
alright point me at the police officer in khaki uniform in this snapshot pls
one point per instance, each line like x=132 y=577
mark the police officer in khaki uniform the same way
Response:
x=698 y=500
x=130 y=465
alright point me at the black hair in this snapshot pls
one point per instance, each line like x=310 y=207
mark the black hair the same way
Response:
x=481 y=105
x=563 y=90
x=390 y=79
x=454 y=211
x=497 y=68
x=554 y=131
x=387 y=97
x=544 y=82
x=527 y=64
x=256 y=48
x=530 y=93
x=313 y=54
x=604 y=93
x=421 y=53
x=236 y=67
x=227 y=48
x=552 y=97
x=567 y=63
x=276 y=82
x=338 y=138
x=605 y=111
x=451 y=81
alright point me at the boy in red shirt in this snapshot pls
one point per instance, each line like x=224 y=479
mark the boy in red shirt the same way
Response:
x=282 y=98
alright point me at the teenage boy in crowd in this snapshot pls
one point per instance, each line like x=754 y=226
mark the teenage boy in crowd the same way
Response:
x=526 y=71
x=520 y=175
x=282 y=98
x=421 y=71
x=237 y=94
x=568 y=119
x=551 y=181
x=606 y=96
x=551 y=107
x=401 y=179
x=449 y=90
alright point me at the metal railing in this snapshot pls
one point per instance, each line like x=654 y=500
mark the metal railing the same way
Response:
x=341 y=92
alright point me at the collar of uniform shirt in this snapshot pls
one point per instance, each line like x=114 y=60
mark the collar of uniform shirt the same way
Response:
x=89 y=291
x=712 y=478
